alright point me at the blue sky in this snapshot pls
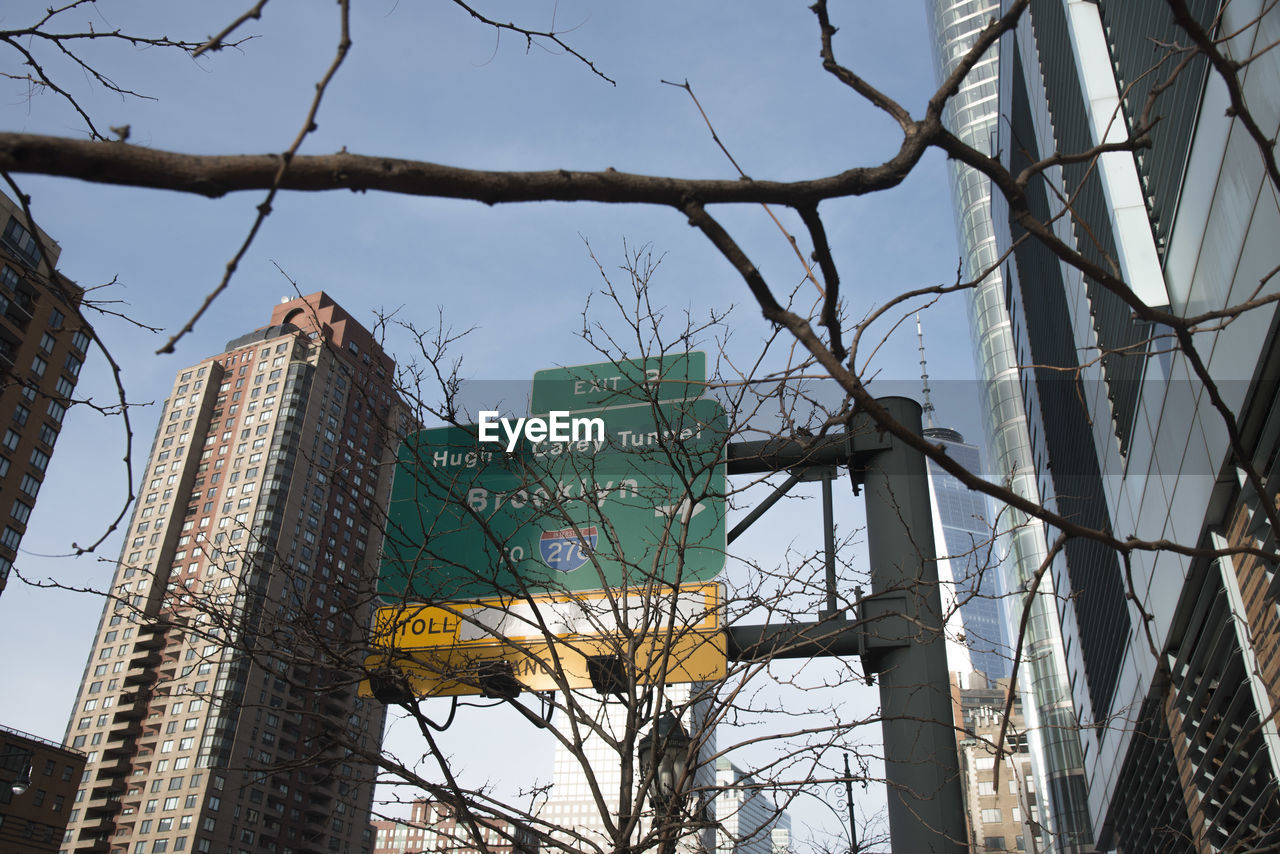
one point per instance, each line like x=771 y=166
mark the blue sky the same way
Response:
x=424 y=81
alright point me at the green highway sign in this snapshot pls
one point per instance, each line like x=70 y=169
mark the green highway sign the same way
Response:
x=626 y=383
x=641 y=502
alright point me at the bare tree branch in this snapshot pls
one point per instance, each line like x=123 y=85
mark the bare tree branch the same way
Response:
x=282 y=168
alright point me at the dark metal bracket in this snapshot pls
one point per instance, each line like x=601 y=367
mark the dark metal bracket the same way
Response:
x=879 y=626
x=815 y=459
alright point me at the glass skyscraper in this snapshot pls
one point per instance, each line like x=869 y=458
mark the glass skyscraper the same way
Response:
x=970 y=547
x=973 y=116
x=1171 y=657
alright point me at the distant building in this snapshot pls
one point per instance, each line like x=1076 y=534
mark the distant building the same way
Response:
x=214 y=715
x=43 y=345
x=781 y=835
x=747 y=820
x=46 y=774
x=969 y=545
x=435 y=827
x=1002 y=809
x=572 y=805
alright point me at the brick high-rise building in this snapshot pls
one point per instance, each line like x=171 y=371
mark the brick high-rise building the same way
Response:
x=218 y=707
x=43 y=343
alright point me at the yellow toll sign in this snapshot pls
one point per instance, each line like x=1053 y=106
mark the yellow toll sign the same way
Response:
x=552 y=642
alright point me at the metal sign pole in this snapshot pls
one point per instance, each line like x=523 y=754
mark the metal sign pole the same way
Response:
x=926 y=810
x=897 y=629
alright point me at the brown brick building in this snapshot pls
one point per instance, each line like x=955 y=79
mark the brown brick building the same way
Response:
x=434 y=827
x=33 y=813
x=217 y=709
x=43 y=344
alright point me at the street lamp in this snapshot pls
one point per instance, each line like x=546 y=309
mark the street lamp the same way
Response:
x=667 y=745
x=23 y=782
x=664 y=756
x=20 y=785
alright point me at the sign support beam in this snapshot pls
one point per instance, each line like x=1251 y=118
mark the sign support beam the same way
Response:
x=926 y=808
x=763 y=507
x=906 y=644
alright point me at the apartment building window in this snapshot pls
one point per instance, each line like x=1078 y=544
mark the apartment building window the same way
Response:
x=30 y=485
x=22 y=241
x=10 y=538
x=11 y=439
x=21 y=512
x=39 y=366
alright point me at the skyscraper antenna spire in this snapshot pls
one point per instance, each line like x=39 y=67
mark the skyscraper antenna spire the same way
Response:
x=924 y=376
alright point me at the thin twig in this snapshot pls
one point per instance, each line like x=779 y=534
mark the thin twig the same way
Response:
x=808 y=270
x=264 y=209
x=218 y=42
x=531 y=35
